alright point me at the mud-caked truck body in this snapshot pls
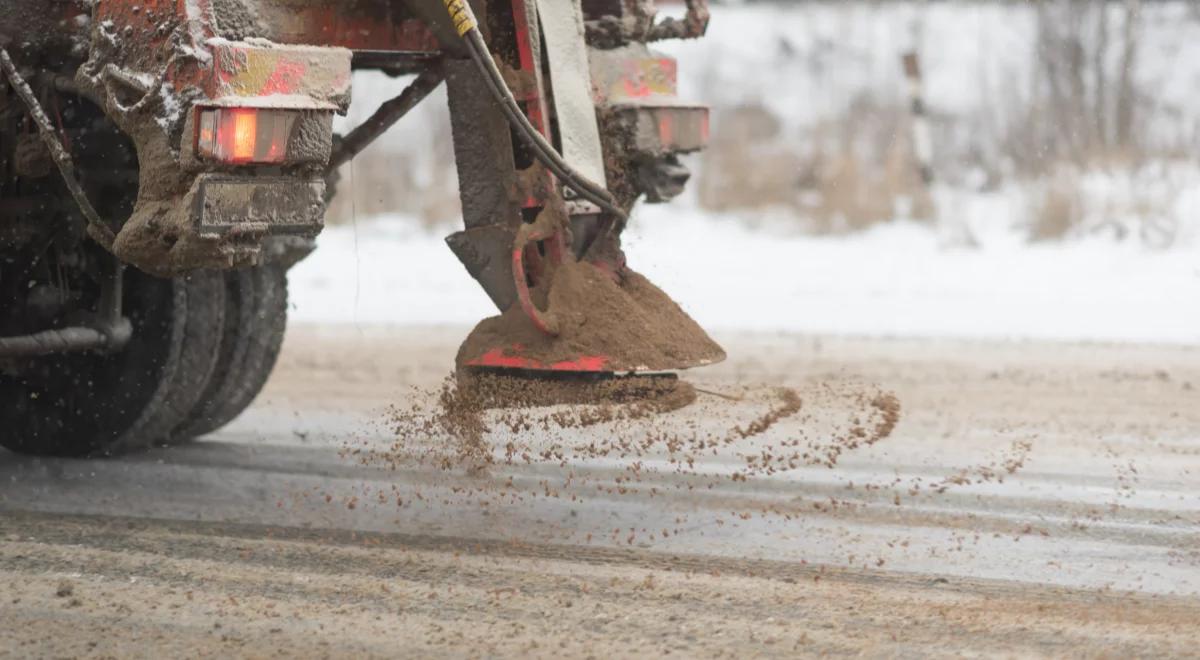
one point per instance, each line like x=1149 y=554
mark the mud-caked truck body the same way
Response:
x=164 y=162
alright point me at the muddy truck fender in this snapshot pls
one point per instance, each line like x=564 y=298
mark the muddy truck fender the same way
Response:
x=233 y=136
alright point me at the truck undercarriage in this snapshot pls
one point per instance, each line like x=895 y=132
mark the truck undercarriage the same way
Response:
x=162 y=165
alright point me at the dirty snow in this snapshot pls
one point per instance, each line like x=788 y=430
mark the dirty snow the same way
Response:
x=899 y=279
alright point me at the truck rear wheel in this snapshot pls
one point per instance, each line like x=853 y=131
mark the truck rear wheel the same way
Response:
x=255 y=321
x=88 y=404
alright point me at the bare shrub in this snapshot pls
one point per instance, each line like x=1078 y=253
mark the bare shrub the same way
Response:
x=744 y=166
x=1087 y=107
x=845 y=197
x=1130 y=203
x=1057 y=207
x=858 y=169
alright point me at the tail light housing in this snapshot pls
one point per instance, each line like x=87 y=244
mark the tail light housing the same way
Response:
x=244 y=136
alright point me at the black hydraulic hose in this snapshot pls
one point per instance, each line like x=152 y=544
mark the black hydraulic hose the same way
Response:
x=468 y=29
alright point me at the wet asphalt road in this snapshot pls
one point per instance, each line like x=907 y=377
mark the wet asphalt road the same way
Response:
x=1013 y=464
x=1113 y=501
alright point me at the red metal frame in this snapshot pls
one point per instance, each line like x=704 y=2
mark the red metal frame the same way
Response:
x=549 y=237
x=526 y=241
x=510 y=358
x=325 y=23
x=332 y=24
x=533 y=100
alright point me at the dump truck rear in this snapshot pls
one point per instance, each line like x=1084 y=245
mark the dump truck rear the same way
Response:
x=164 y=162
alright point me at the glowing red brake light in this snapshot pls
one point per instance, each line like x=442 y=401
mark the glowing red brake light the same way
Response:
x=245 y=138
x=244 y=135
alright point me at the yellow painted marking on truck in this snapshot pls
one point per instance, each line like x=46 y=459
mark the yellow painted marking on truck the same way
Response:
x=460 y=13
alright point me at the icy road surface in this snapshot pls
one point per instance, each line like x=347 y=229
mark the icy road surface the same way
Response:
x=1034 y=498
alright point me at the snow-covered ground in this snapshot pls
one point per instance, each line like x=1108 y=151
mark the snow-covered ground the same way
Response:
x=896 y=280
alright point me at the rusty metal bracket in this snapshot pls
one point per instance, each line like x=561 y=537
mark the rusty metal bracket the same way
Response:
x=386 y=116
x=544 y=230
x=613 y=32
x=693 y=26
x=109 y=331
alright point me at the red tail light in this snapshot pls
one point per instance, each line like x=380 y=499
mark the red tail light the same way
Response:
x=244 y=135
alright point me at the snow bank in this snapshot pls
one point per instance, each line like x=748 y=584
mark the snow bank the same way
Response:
x=895 y=280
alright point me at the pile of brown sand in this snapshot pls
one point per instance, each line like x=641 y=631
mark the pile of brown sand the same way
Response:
x=634 y=324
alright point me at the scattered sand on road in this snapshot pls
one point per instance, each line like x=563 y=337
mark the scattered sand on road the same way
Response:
x=949 y=570
x=648 y=426
x=478 y=422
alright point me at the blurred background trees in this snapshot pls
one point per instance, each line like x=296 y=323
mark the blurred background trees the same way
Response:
x=1083 y=114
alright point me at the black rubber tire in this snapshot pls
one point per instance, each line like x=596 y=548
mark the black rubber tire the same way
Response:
x=255 y=322
x=92 y=404
x=201 y=327
x=86 y=404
